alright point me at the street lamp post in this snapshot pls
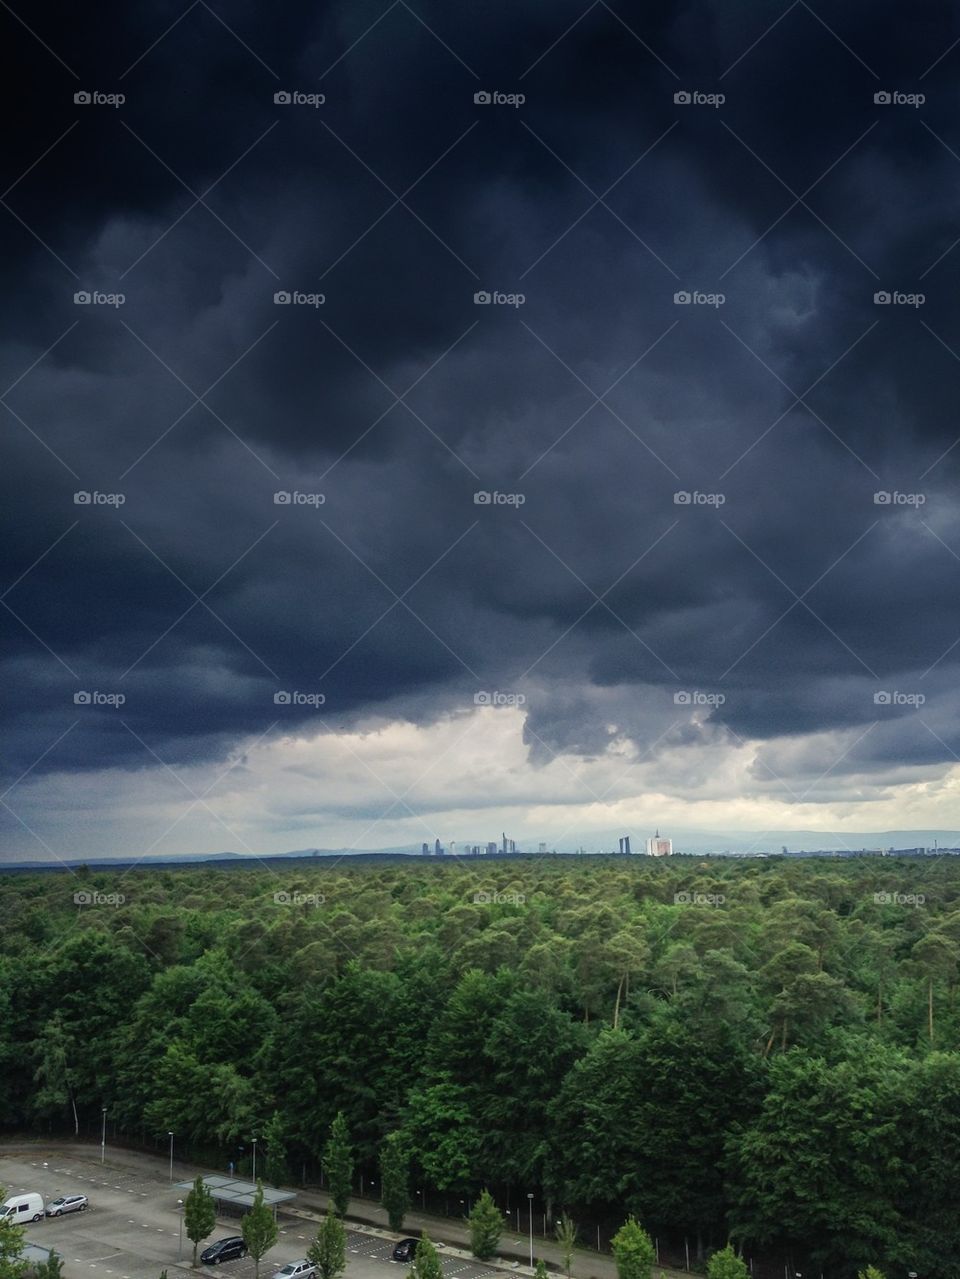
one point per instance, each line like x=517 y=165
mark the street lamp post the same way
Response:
x=103 y=1135
x=180 y=1243
x=170 y=1135
x=254 y=1161
x=530 y=1203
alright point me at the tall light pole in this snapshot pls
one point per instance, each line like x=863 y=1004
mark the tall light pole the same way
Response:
x=103 y=1135
x=180 y=1244
x=254 y=1161
x=170 y=1135
x=530 y=1203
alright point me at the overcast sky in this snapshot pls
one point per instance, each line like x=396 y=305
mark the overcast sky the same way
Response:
x=715 y=584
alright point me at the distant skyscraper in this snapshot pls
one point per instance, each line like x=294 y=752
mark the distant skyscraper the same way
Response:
x=542 y=848
x=626 y=844
x=437 y=850
x=621 y=843
x=503 y=836
x=491 y=849
x=425 y=850
x=513 y=845
x=658 y=847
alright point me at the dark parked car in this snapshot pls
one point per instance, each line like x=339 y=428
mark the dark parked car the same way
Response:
x=405 y=1250
x=224 y=1250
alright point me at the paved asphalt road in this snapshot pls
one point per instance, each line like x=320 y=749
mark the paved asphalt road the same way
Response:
x=132 y=1228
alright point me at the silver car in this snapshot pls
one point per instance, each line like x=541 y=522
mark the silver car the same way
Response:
x=302 y=1269
x=66 y=1203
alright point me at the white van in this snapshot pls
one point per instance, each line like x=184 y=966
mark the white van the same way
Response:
x=22 y=1207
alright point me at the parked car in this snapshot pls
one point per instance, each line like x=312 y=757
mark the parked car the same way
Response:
x=66 y=1203
x=302 y=1269
x=228 y=1249
x=22 y=1207
x=405 y=1249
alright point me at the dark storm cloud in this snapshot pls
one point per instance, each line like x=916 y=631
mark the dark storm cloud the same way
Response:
x=399 y=591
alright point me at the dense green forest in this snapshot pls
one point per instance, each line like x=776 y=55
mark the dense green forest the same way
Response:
x=767 y=1051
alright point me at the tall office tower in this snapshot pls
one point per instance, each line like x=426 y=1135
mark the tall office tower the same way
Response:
x=437 y=850
x=626 y=844
x=659 y=847
x=425 y=850
x=621 y=843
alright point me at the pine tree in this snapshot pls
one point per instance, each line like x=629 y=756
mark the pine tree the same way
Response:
x=725 y=1264
x=486 y=1225
x=633 y=1251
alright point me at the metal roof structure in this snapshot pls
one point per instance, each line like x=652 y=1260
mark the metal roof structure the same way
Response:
x=234 y=1191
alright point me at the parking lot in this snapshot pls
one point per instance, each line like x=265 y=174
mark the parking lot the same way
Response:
x=131 y=1229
